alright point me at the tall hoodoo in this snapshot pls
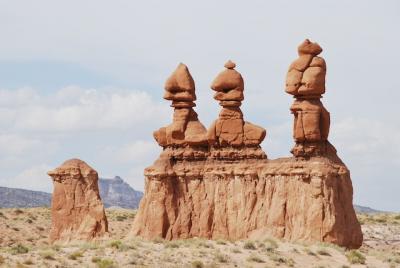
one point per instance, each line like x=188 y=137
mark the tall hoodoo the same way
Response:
x=77 y=212
x=220 y=184
x=306 y=81
x=185 y=129
x=230 y=129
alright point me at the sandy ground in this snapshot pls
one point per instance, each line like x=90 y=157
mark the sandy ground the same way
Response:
x=24 y=243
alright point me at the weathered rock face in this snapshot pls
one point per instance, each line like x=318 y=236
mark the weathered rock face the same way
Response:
x=76 y=208
x=306 y=81
x=284 y=198
x=230 y=190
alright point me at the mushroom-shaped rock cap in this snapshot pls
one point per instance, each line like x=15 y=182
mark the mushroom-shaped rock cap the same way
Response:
x=180 y=85
x=228 y=79
x=72 y=164
x=180 y=80
x=308 y=47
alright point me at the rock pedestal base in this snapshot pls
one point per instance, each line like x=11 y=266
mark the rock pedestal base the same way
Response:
x=288 y=198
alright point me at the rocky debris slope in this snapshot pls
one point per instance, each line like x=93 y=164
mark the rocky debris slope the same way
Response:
x=76 y=208
x=229 y=189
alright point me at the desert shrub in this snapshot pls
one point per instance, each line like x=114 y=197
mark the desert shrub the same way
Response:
x=323 y=252
x=18 y=211
x=15 y=229
x=2 y=260
x=355 y=257
x=290 y=262
x=105 y=263
x=158 y=240
x=222 y=258
x=75 y=255
x=221 y=242
x=47 y=255
x=278 y=259
x=310 y=252
x=236 y=250
x=270 y=244
x=96 y=259
x=28 y=262
x=172 y=244
x=197 y=264
x=19 y=249
x=204 y=244
x=117 y=244
x=40 y=228
x=392 y=260
x=345 y=266
x=249 y=245
x=397 y=217
x=255 y=258
x=121 y=217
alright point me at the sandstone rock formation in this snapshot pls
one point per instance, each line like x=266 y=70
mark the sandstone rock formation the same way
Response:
x=306 y=81
x=185 y=129
x=77 y=212
x=230 y=129
x=230 y=190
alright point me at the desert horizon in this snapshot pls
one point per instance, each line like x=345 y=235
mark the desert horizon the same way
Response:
x=243 y=134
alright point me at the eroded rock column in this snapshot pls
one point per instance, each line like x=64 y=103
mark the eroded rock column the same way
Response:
x=77 y=212
x=230 y=136
x=306 y=82
x=186 y=132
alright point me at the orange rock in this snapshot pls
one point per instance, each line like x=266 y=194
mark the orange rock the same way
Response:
x=228 y=80
x=302 y=63
x=180 y=80
x=77 y=212
x=230 y=190
x=293 y=81
x=308 y=47
x=296 y=200
x=306 y=81
x=185 y=129
x=306 y=75
x=253 y=134
x=228 y=129
x=313 y=81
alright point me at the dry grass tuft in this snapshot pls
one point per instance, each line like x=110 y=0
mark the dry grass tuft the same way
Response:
x=355 y=257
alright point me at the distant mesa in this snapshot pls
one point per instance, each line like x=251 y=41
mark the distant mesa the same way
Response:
x=117 y=193
x=114 y=192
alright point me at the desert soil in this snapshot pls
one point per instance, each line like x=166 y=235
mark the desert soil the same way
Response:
x=24 y=243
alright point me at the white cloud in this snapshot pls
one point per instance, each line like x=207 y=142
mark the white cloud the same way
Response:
x=13 y=144
x=34 y=178
x=368 y=140
x=78 y=109
x=107 y=127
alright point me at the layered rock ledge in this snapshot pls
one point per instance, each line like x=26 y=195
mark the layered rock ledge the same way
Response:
x=289 y=198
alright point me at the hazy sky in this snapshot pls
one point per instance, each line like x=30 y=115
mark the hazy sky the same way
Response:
x=85 y=79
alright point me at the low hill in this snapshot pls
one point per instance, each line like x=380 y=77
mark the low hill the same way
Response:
x=114 y=193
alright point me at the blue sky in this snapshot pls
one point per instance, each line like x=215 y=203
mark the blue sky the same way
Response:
x=85 y=79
